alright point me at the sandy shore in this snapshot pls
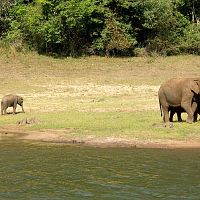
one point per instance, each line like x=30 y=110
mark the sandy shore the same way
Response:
x=60 y=136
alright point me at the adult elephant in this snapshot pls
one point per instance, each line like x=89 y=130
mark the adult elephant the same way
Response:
x=11 y=100
x=177 y=92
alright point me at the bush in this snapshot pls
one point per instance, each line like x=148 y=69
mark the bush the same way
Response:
x=190 y=42
x=115 y=38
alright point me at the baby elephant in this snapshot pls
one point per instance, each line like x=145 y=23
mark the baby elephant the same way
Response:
x=11 y=100
x=178 y=110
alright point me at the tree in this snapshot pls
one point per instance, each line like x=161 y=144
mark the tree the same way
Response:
x=106 y=27
x=5 y=5
x=191 y=9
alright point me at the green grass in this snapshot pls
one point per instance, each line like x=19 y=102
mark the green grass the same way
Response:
x=136 y=125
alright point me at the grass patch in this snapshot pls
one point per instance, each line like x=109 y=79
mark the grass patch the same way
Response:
x=136 y=125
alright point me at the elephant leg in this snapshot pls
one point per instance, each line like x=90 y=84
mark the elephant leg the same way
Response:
x=22 y=109
x=1 y=108
x=171 y=115
x=194 y=109
x=195 y=116
x=14 y=107
x=165 y=107
x=188 y=109
x=179 y=117
x=4 y=109
x=14 y=110
x=166 y=120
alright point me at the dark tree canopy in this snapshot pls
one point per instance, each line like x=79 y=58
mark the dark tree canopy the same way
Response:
x=102 y=27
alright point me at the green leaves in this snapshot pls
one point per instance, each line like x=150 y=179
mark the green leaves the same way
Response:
x=106 y=27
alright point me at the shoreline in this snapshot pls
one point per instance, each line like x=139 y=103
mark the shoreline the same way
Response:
x=59 y=137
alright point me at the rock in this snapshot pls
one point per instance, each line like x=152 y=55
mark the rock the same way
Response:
x=28 y=121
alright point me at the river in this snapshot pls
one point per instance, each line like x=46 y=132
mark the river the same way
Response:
x=41 y=171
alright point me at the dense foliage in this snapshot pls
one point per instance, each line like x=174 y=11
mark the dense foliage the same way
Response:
x=102 y=27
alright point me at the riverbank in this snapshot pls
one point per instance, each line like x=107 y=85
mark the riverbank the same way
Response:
x=60 y=137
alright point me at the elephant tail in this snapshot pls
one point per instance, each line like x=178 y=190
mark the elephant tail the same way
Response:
x=160 y=108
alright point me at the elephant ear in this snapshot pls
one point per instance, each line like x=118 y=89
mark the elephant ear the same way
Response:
x=194 y=87
x=18 y=99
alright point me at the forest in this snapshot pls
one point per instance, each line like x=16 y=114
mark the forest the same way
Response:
x=101 y=27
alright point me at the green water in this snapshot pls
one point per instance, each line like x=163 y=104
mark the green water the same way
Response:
x=36 y=171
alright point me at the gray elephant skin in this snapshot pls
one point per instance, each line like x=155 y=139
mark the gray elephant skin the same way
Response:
x=11 y=100
x=179 y=92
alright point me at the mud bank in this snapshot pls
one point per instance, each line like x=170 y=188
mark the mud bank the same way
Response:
x=61 y=137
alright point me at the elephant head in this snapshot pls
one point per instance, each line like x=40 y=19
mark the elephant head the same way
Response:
x=20 y=100
x=195 y=85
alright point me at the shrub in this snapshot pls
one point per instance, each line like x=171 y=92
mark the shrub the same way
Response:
x=190 y=42
x=115 y=38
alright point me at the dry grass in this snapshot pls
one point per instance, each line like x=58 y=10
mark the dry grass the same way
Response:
x=89 y=83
